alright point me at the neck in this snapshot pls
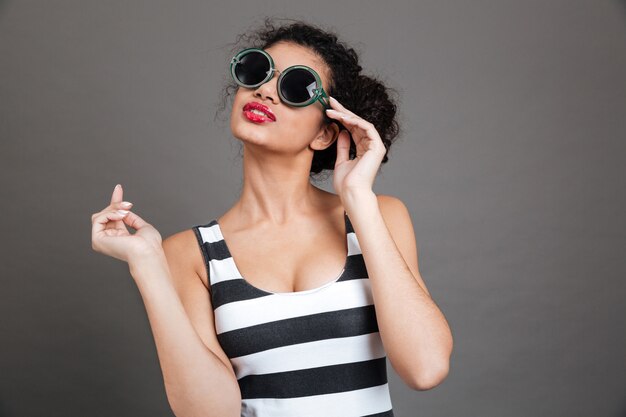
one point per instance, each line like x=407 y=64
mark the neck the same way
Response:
x=276 y=187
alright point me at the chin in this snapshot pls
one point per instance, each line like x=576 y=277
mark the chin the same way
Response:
x=249 y=134
x=248 y=131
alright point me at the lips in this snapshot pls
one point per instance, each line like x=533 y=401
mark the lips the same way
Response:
x=253 y=105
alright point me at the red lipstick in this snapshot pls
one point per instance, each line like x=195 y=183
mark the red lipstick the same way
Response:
x=255 y=116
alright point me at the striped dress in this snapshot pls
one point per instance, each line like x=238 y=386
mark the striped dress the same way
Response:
x=309 y=353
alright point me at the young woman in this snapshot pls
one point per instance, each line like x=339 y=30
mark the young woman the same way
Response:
x=291 y=301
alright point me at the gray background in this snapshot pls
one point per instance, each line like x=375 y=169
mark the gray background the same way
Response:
x=511 y=163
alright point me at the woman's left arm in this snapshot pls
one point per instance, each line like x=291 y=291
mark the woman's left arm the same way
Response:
x=415 y=333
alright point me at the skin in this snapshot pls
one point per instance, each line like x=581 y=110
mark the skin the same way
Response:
x=277 y=197
x=277 y=203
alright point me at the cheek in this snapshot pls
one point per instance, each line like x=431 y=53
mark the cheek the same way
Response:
x=301 y=125
x=309 y=119
x=236 y=112
x=237 y=101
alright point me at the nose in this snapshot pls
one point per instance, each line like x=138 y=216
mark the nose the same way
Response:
x=269 y=89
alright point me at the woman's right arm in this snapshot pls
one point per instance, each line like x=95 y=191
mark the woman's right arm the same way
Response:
x=199 y=380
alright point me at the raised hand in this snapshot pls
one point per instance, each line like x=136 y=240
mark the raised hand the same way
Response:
x=355 y=174
x=110 y=236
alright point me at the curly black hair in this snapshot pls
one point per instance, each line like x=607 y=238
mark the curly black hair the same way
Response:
x=364 y=95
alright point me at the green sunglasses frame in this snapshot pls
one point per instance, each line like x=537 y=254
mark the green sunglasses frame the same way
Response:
x=318 y=93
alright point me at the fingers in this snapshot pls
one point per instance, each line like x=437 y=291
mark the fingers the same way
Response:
x=111 y=222
x=117 y=195
x=349 y=118
x=359 y=128
x=338 y=106
x=102 y=219
x=134 y=221
x=99 y=220
x=117 y=203
x=120 y=205
x=117 y=211
x=352 y=123
x=338 y=111
x=110 y=213
x=116 y=198
x=343 y=147
x=346 y=116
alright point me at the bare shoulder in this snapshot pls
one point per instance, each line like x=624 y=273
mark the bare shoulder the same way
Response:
x=394 y=211
x=184 y=254
x=397 y=217
x=390 y=201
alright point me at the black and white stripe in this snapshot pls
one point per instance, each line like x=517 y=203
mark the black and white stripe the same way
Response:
x=307 y=353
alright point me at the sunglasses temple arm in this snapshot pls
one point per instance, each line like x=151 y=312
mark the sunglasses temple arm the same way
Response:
x=327 y=106
x=322 y=95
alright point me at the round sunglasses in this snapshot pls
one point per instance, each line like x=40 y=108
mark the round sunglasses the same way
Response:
x=298 y=85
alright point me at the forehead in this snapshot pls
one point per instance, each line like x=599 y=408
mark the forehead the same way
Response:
x=286 y=54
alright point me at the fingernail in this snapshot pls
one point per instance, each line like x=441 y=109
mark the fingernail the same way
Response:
x=126 y=204
x=333 y=99
x=123 y=212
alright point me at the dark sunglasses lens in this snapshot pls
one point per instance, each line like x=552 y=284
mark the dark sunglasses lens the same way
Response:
x=297 y=85
x=252 y=68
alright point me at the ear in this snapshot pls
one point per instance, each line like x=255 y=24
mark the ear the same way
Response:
x=327 y=135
